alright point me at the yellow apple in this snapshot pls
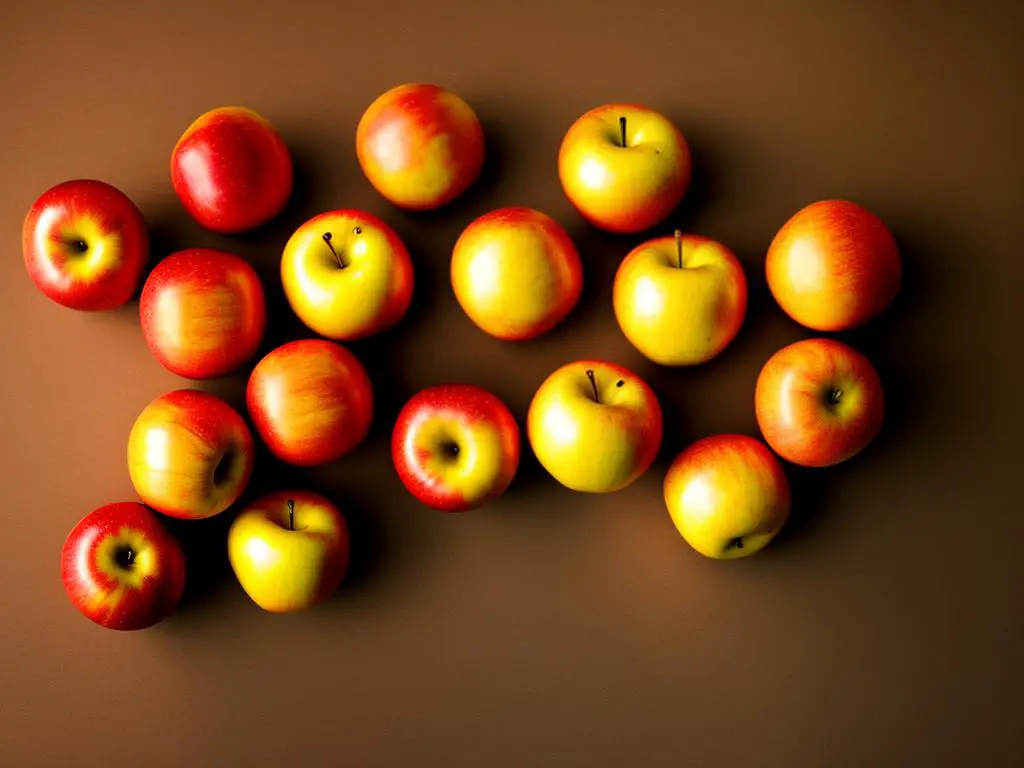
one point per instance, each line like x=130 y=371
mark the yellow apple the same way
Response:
x=728 y=496
x=624 y=167
x=680 y=300
x=289 y=550
x=594 y=426
x=347 y=275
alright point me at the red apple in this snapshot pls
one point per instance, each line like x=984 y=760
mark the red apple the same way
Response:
x=85 y=245
x=834 y=265
x=231 y=170
x=818 y=402
x=311 y=401
x=121 y=568
x=455 y=446
x=203 y=312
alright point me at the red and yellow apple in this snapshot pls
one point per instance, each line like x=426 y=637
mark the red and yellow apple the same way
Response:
x=310 y=401
x=85 y=245
x=231 y=170
x=289 y=550
x=595 y=426
x=121 y=568
x=680 y=300
x=834 y=265
x=625 y=167
x=189 y=454
x=455 y=446
x=727 y=495
x=818 y=402
x=203 y=312
x=516 y=273
x=420 y=146
x=347 y=275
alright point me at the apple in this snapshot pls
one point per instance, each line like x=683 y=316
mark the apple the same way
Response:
x=121 y=568
x=289 y=550
x=311 y=401
x=347 y=275
x=728 y=496
x=680 y=300
x=231 y=170
x=189 y=454
x=833 y=266
x=595 y=426
x=455 y=446
x=516 y=273
x=203 y=312
x=624 y=167
x=85 y=245
x=818 y=402
x=420 y=146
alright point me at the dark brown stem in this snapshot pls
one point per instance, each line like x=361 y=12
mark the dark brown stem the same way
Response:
x=593 y=385
x=327 y=239
x=291 y=515
x=622 y=129
x=679 y=249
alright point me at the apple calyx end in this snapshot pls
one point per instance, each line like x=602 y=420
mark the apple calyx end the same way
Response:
x=124 y=556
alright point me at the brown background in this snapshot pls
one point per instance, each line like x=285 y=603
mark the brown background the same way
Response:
x=883 y=628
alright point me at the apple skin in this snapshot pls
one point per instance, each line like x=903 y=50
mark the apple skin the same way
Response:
x=310 y=401
x=85 y=245
x=624 y=189
x=591 y=446
x=190 y=454
x=203 y=312
x=676 y=315
x=231 y=170
x=818 y=402
x=728 y=496
x=455 y=447
x=368 y=295
x=121 y=568
x=420 y=146
x=289 y=558
x=833 y=266
x=516 y=273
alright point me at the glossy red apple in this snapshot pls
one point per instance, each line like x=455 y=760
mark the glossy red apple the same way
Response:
x=121 y=568
x=231 y=170
x=455 y=446
x=818 y=402
x=310 y=401
x=85 y=245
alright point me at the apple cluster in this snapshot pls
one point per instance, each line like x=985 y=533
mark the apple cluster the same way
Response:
x=594 y=425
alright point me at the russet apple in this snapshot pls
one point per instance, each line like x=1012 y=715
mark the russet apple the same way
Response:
x=595 y=426
x=818 y=402
x=420 y=146
x=347 y=275
x=85 y=245
x=624 y=167
x=727 y=495
x=455 y=446
x=680 y=300
x=203 y=312
x=310 y=401
x=289 y=550
x=190 y=454
x=121 y=568
x=516 y=273
x=833 y=266
x=231 y=170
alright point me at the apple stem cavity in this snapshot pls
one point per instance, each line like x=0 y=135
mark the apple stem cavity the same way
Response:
x=622 y=129
x=593 y=382
x=679 y=248
x=291 y=514
x=337 y=257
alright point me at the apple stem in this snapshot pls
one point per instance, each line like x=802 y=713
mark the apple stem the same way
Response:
x=291 y=515
x=327 y=239
x=679 y=248
x=593 y=384
x=622 y=129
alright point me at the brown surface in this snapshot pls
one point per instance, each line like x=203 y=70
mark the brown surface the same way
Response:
x=883 y=628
